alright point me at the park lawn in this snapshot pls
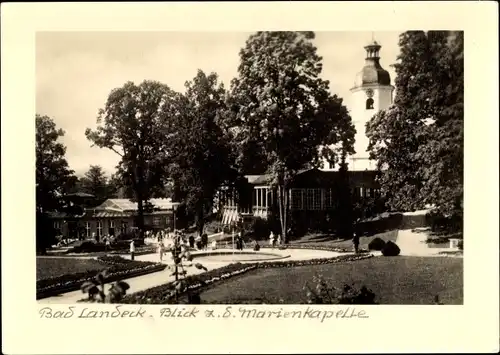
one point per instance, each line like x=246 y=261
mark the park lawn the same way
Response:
x=47 y=267
x=394 y=280
x=322 y=240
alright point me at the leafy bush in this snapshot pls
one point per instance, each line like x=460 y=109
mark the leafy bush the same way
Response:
x=127 y=236
x=438 y=240
x=88 y=247
x=138 y=242
x=214 y=226
x=108 y=259
x=95 y=294
x=256 y=247
x=390 y=249
x=258 y=229
x=461 y=245
x=376 y=244
x=323 y=293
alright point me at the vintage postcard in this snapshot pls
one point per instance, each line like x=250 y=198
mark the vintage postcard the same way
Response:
x=250 y=177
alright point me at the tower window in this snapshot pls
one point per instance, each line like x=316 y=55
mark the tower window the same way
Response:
x=369 y=104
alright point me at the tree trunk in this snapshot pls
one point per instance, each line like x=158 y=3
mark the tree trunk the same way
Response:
x=285 y=213
x=282 y=198
x=140 y=217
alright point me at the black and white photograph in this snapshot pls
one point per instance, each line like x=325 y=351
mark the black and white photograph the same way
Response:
x=250 y=177
x=274 y=167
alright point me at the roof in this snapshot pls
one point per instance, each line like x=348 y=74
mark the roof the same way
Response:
x=265 y=179
x=123 y=204
x=59 y=215
x=372 y=73
x=258 y=179
x=80 y=194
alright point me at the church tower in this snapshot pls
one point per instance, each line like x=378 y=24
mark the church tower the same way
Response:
x=371 y=93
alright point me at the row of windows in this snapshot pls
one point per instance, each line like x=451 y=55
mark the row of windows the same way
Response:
x=111 y=227
x=319 y=199
x=310 y=199
x=261 y=197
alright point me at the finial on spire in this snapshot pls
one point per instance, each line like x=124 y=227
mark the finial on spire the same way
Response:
x=373 y=36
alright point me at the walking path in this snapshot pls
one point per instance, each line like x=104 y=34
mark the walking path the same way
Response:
x=413 y=244
x=144 y=282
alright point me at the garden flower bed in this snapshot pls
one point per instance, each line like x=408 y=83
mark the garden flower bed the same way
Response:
x=297 y=246
x=163 y=294
x=118 y=268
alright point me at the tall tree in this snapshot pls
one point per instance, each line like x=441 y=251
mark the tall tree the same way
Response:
x=396 y=133
x=418 y=141
x=53 y=176
x=201 y=157
x=95 y=182
x=285 y=115
x=443 y=153
x=131 y=124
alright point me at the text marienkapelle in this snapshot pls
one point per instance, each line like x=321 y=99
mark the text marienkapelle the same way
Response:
x=120 y=311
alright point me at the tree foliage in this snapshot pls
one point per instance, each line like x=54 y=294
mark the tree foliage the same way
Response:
x=418 y=141
x=96 y=183
x=200 y=159
x=131 y=124
x=282 y=114
x=53 y=176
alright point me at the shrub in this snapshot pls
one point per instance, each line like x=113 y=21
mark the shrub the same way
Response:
x=323 y=293
x=96 y=291
x=256 y=247
x=376 y=244
x=390 y=249
x=259 y=229
x=138 y=242
x=88 y=247
x=461 y=245
x=213 y=226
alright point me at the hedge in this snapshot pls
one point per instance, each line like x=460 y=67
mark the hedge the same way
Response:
x=118 y=268
x=162 y=294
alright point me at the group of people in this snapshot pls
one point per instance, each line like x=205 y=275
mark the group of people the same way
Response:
x=274 y=239
x=240 y=243
x=167 y=239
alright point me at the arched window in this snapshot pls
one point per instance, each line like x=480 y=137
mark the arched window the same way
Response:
x=369 y=104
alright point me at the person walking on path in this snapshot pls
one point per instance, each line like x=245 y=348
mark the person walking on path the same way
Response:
x=355 y=242
x=278 y=240
x=160 y=249
x=132 y=250
x=271 y=239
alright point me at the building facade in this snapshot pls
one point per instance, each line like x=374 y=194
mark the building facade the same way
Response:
x=113 y=217
x=311 y=195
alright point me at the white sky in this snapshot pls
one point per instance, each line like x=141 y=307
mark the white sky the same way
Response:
x=75 y=72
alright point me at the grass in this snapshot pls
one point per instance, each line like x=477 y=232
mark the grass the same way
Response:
x=52 y=267
x=394 y=280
